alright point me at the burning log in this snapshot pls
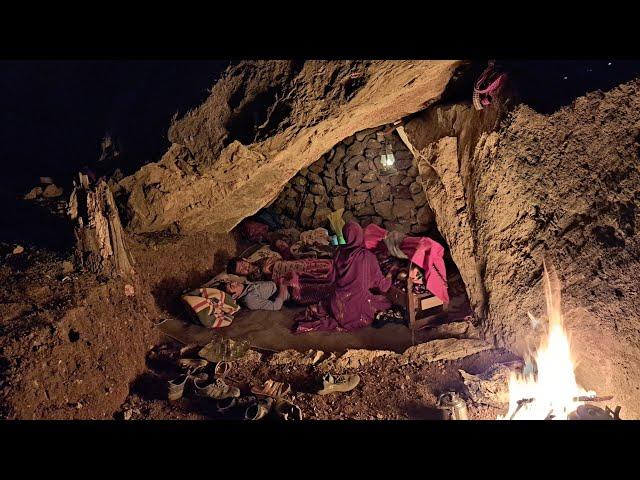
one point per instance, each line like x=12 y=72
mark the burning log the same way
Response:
x=100 y=244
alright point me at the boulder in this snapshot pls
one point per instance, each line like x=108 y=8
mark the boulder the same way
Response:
x=357 y=198
x=415 y=188
x=373 y=144
x=402 y=209
x=425 y=215
x=365 y=187
x=363 y=166
x=329 y=183
x=52 y=191
x=380 y=193
x=353 y=179
x=406 y=181
x=355 y=149
x=420 y=199
x=338 y=190
x=384 y=209
x=337 y=202
x=33 y=193
x=370 y=177
x=318 y=189
x=371 y=154
x=314 y=178
x=401 y=191
x=365 y=209
x=240 y=165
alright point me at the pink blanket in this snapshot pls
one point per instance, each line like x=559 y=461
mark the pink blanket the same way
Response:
x=424 y=252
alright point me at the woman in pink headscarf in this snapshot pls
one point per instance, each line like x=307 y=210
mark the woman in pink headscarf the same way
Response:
x=352 y=305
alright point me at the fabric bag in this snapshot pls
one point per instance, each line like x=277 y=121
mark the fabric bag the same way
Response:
x=213 y=308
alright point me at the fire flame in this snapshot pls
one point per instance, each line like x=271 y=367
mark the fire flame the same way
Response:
x=550 y=392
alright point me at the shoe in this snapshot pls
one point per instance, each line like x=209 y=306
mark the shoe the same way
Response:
x=192 y=364
x=272 y=389
x=217 y=390
x=221 y=370
x=226 y=404
x=285 y=410
x=220 y=349
x=259 y=409
x=339 y=383
x=176 y=387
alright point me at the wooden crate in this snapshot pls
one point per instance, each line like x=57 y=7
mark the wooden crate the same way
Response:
x=422 y=309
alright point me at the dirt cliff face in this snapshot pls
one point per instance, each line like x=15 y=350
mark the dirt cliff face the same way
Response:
x=565 y=186
x=263 y=122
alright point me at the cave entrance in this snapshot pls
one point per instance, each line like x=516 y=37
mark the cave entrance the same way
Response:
x=351 y=177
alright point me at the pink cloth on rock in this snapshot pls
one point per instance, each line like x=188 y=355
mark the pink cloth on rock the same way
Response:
x=424 y=252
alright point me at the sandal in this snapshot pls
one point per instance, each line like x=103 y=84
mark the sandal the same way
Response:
x=271 y=388
x=192 y=364
x=222 y=369
x=258 y=410
x=285 y=410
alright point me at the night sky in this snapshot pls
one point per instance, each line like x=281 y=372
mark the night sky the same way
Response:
x=53 y=114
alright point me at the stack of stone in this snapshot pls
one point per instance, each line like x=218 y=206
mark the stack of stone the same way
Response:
x=350 y=176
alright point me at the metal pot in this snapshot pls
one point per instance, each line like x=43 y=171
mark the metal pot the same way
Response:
x=452 y=407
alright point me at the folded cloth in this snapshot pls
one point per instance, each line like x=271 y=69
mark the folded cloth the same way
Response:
x=319 y=236
x=213 y=308
x=423 y=251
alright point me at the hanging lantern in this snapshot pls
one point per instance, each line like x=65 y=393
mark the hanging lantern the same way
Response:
x=387 y=158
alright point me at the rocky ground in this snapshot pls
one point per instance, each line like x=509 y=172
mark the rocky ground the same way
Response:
x=392 y=387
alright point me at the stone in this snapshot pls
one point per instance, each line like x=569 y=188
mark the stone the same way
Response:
x=285 y=357
x=355 y=149
x=363 y=166
x=329 y=183
x=357 y=198
x=353 y=179
x=396 y=179
x=380 y=193
x=67 y=267
x=252 y=174
x=338 y=190
x=299 y=188
x=353 y=161
x=370 y=177
x=338 y=202
x=415 y=188
x=384 y=209
x=291 y=193
x=420 y=199
x=406 y=181
x=318 y=189
x=373 y=144
x=320 y=200
x=402 y=209
x=377 y=220
x=52 y=191
x=321 y=216
x=330 y=172
x=18 y=250
x=349 y=140
x=365 y=187
x=338 y=156
x=340 y=174
x=419 y=228
x=491 y=387
x=291 y=208
x=366 y=209
x=314 y=177
x=401 y=192
x=304 y=171
x=362 y=135
x=299 y=180
x=445 y=349
x=371 y=154
x=413 y=171
x=403 y=164
x=306 y=216
x=318 y=166
x=425 y=215
x=354 y=359
x=33 y=194
x=348 y=216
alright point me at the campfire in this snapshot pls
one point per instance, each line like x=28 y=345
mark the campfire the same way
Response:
x=549 y=390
